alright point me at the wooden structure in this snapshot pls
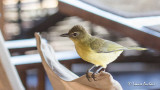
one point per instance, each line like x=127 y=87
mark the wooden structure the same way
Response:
x=63 y=79
x=21 y=62
x=2 y=19
x=9 y=79
x=21 y=46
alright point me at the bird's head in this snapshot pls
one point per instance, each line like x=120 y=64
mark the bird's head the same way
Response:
x=77 y=33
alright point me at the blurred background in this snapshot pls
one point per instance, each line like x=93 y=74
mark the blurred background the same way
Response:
x=19 y=19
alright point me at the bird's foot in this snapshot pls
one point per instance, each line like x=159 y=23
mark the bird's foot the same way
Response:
x=88 y=73
x=88 y=76
x=94 y=76
x=97 y=72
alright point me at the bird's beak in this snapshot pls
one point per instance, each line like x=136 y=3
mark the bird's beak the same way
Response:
x=64 y=35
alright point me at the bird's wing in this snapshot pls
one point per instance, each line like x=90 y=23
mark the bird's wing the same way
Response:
x=105 y=46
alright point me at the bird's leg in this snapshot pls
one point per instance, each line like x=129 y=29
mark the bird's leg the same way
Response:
x=97 y=71
x=87 y=74
x=103 y=69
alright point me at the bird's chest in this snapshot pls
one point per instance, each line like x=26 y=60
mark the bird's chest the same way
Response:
x=84 y=52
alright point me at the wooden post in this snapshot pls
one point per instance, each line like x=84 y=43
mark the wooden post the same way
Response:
x=41 y=79
x=2 y=19
x=9 y=79
x=23 y=76
x=4 y=82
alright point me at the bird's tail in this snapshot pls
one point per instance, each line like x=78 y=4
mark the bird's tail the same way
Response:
x=136 y=48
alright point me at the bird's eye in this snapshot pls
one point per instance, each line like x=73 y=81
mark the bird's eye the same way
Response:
x=75 y=34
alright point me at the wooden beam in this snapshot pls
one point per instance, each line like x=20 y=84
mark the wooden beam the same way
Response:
x=4 y=82
x=41 y=79
x=8 y=72
x=2 y=20
x=23 y=76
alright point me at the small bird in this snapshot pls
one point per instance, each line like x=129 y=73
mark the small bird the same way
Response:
x=95 y=50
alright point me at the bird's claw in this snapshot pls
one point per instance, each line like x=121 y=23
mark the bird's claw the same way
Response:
x=88 y=76
x=94 y=76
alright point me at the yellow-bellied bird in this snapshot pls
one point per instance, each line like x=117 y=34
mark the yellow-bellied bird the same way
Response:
x=95 y=50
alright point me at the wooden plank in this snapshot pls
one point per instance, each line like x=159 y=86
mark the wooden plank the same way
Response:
x=21 y=46
x=22 y=43
x=41 y=79
x=10 y=71
x=2 y=19
x=23 y=76
x=142 y=9
x=4 y=82
x=143 y=36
